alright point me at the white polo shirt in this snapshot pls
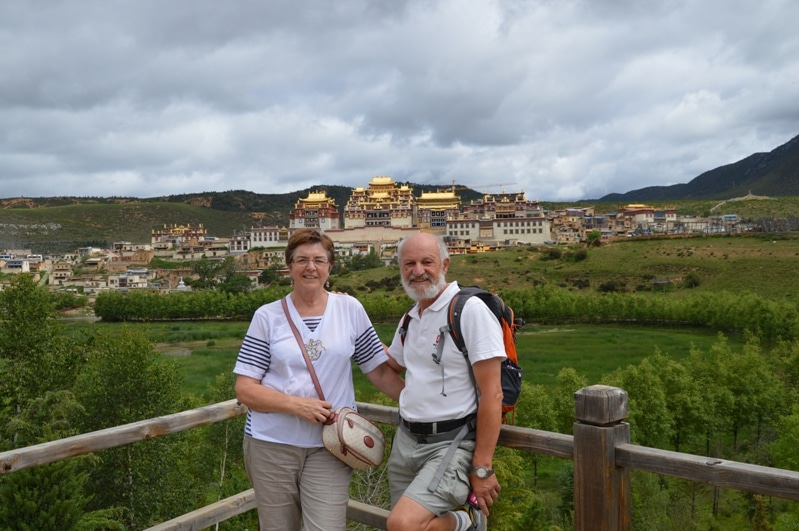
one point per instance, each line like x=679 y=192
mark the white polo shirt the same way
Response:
x=429 y=397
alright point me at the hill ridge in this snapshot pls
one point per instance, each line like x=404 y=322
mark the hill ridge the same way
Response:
x=773 y=173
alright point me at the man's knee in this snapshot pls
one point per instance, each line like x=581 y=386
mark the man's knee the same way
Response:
x=408 y=515
x=396 y=521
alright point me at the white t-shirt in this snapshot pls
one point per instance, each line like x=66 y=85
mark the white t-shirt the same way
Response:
x=270 y=354
x=430 y=396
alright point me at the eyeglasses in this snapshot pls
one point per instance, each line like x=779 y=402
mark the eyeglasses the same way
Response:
x=303 y=261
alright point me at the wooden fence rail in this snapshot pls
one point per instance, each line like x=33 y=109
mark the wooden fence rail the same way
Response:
x=600 y=448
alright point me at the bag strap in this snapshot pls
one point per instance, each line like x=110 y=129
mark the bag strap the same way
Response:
x=302 y=347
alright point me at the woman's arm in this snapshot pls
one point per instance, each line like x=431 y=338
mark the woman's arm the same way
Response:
x=255 y=396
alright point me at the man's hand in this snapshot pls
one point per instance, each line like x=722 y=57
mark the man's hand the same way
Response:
x=485 y=490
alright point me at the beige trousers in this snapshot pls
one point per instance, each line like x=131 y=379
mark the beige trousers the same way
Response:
x=295 y=486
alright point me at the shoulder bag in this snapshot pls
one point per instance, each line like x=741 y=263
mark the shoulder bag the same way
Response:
x=346 y=434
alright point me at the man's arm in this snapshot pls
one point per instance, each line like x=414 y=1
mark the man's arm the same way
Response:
x=386 y=379
x=396 y=367
x=487 y=375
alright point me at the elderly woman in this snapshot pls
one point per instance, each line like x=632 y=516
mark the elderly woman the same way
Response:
x=296 y=481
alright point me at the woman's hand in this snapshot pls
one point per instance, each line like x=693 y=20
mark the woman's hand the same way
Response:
x=312 y=409
x=255 y=396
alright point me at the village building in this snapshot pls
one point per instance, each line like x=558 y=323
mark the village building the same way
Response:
x=568 y=224
x=264 y=237
x=500 y=220
x=61 y=272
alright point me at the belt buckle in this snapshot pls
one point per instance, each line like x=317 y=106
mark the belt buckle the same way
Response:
x=434 y=427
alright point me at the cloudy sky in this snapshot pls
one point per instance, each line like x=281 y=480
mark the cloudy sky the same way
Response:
x=564 y=99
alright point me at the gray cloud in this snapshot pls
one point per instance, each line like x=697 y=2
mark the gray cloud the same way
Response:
x=568 y=99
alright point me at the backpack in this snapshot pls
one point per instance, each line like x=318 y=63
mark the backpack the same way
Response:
x=511 y=372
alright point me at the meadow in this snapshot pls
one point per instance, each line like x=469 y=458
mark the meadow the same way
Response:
x=204 y=349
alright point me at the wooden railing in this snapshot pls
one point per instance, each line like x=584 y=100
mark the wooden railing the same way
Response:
x=600 y=448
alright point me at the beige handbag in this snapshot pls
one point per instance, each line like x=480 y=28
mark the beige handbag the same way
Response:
x=347 y=434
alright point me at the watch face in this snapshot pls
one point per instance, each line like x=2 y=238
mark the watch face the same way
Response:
x=481 y=472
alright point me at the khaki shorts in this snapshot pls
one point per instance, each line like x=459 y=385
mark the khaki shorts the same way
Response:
x=412 y=466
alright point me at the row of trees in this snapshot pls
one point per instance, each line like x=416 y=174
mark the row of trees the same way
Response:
x=734 y=313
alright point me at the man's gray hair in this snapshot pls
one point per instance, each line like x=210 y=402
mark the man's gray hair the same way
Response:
x=443 y=250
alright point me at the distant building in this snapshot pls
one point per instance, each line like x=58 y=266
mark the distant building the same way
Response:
x=61 y=272
x=435 y=209
x=569 y=224
x=177 y=234
x=382 y=204
x=499 y=219
x=16 y=265
x=317 y=211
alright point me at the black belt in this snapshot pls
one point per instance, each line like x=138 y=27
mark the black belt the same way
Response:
x=434 y=428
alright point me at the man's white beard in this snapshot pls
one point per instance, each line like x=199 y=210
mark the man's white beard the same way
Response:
x=428 y=293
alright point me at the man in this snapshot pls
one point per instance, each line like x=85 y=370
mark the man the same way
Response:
x=444 y=447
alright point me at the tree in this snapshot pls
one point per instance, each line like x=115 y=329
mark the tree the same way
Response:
x=34 y=355
x=360 y=262
x=783 y=450
x=206 y=272
x=219 y=463
x=229 y=280
x=568 y=383
x=650 y=418
x=593 y=238
x=235 y=283
x=685 y=401
x=125 y=380
x=758 y=393
x=535 y=409
x=269 y=274
x=710 y=370
x=52 y=496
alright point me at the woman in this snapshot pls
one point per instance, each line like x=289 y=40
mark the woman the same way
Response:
x=296 y=480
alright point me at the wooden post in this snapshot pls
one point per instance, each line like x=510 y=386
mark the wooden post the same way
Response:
x=601 y=489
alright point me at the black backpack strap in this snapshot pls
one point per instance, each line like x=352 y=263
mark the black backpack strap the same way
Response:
x=454 y=316
x=403 y=329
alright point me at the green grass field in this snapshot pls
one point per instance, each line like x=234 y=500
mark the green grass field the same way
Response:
x=203 y=350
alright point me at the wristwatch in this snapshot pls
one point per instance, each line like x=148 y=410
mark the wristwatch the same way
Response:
x=482 y=472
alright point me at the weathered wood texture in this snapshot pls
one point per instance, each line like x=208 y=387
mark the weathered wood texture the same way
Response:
x=367 y=514
x=730 y=474
x=210 y=514
x=245 y=501
x=537 y=441
x=601 y=488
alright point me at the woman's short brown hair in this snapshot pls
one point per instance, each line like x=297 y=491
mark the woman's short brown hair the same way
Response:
x=303 y=236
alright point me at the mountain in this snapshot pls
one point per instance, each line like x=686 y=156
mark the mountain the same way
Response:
x=771 y=174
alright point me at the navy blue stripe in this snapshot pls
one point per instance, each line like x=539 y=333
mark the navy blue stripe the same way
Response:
x=367 y=346
x=255 y=352
x=312 y=322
